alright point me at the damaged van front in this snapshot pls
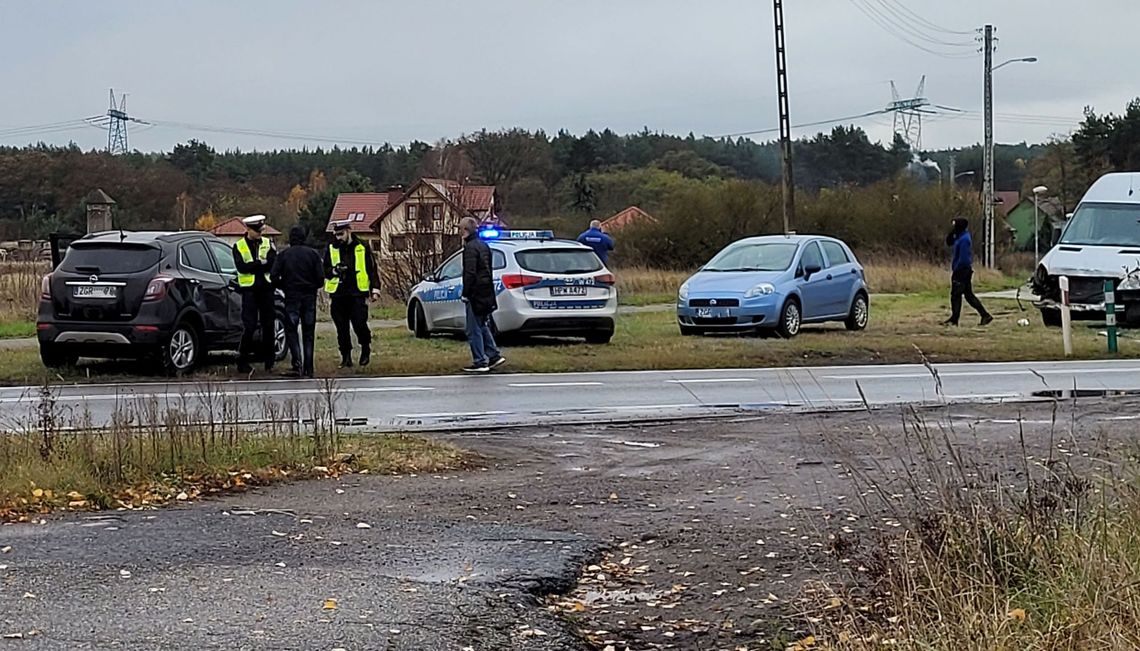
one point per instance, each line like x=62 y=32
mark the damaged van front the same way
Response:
x=1100 y=243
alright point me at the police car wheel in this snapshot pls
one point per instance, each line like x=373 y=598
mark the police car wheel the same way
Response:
x=418 y=321
x=599 y=336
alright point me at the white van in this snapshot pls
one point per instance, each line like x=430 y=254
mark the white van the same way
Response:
x=1101 y=242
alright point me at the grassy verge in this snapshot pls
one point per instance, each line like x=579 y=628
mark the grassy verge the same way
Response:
x=49 y=467
x=900 y=325
x=1049 y=560
x=17 y=329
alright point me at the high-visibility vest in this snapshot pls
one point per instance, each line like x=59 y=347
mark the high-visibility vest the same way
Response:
x=362 y=282
x=247 y=280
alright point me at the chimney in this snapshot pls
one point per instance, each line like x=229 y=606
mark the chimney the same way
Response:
x=99 y=211
x=394 y=193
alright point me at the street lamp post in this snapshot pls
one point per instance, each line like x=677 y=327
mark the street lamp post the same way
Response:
x=1037 y=192
x=988 y=150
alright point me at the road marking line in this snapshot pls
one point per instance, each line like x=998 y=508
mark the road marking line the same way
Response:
x=711 y=380
x=454 y=414
x=208 y=395
x=556 y=384
x=653 y=407
x=945 y=374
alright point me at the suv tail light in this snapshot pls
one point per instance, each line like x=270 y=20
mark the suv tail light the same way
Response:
x=514 y=281
x=604 y=279
x=157 y=288
x=45 y=288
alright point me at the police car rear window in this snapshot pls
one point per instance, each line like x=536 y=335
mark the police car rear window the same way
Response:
x=559 y=261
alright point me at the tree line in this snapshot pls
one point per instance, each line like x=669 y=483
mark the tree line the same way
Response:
x=564 y=178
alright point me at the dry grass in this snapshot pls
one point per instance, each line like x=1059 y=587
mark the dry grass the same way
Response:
x=643 y=280
x=897 y=276
x=1044 y=555
x=20 y=295
x=50 y=459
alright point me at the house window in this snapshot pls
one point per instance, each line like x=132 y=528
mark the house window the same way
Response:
x=436 y=213
x=398 y=243
x=355 y=216
x=412 y=212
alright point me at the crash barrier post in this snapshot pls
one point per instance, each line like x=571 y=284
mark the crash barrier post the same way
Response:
x=1066 y=317
x=1110 y=314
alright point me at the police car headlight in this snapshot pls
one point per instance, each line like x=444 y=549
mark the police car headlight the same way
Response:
x=683 y=293
x=763 y=289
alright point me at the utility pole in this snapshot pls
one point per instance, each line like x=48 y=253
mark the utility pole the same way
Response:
x=789 y=186
x=988 y=148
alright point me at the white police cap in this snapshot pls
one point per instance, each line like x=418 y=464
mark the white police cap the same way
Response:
x=342 y=225
x=254 y=220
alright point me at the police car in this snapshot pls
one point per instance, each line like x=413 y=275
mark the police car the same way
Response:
x=543 y=286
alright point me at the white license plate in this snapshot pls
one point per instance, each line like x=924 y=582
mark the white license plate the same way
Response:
x=713 y=313
x=94 y=291
x=568 y=291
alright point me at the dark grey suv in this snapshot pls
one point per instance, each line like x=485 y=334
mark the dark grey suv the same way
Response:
x=171 y=297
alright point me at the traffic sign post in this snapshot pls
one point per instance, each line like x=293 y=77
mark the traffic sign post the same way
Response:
x=1110 y=314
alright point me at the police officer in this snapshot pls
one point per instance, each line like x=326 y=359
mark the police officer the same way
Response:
x=351 y=277
x=254 y=256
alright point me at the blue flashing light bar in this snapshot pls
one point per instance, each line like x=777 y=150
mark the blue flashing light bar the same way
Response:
x=492 y=233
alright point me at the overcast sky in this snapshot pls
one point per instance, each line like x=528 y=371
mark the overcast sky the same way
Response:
x=394 y=71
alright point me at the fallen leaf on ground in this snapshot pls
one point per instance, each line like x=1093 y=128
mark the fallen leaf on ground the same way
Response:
x=1017 y=614
x=330 y=604
x=363 y=525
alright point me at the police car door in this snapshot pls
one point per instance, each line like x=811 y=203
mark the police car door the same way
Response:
x=442 y=305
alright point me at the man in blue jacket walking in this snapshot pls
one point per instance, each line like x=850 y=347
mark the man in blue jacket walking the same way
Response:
x=594 y=238
x=962 y=274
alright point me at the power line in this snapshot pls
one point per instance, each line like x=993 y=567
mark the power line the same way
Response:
x=885 y=26
x=916 y=20
x=849 y=118
x=891 y=16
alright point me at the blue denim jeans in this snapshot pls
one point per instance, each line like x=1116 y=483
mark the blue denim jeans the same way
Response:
x=479 y=337
x=302 y=313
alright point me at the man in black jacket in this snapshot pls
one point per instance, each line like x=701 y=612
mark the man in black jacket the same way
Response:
x=254 y=256
x=351 y=277
x=299 y=273
x=479 y=298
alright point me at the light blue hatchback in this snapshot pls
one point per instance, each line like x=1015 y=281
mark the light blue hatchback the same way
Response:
x=775 y=283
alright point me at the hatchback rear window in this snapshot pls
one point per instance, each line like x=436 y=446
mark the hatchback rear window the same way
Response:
x=559 y=261
x=110 y=259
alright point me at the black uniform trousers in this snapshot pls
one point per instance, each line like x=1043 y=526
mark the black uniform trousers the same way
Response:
x=351 y=310
x=258 y=313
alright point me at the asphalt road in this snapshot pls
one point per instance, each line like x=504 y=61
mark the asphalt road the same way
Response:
x=506 y=399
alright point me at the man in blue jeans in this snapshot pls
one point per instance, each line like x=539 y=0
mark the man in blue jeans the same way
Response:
x=479 y=298
x=299 y=272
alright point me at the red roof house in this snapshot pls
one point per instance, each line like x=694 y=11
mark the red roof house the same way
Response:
x=627 y=217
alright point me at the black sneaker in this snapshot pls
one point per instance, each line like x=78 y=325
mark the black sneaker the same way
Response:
x=986 y=320
x=345 y=361
x=365 y=357
x=497 y=362
x=477 y=369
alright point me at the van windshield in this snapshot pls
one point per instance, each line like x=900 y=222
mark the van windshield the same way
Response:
x=1105 y=224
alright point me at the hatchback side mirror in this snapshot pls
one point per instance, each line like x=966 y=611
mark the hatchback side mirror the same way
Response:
x=811 y=270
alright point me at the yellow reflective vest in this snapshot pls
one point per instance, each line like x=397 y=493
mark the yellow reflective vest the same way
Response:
x=362 y=282
x=247 y=280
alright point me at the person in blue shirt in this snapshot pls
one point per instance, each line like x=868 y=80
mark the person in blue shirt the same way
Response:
x=594 y=238
x=962 y=273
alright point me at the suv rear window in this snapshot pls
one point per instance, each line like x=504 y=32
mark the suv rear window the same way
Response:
x=110 y=259
x=559 y=261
